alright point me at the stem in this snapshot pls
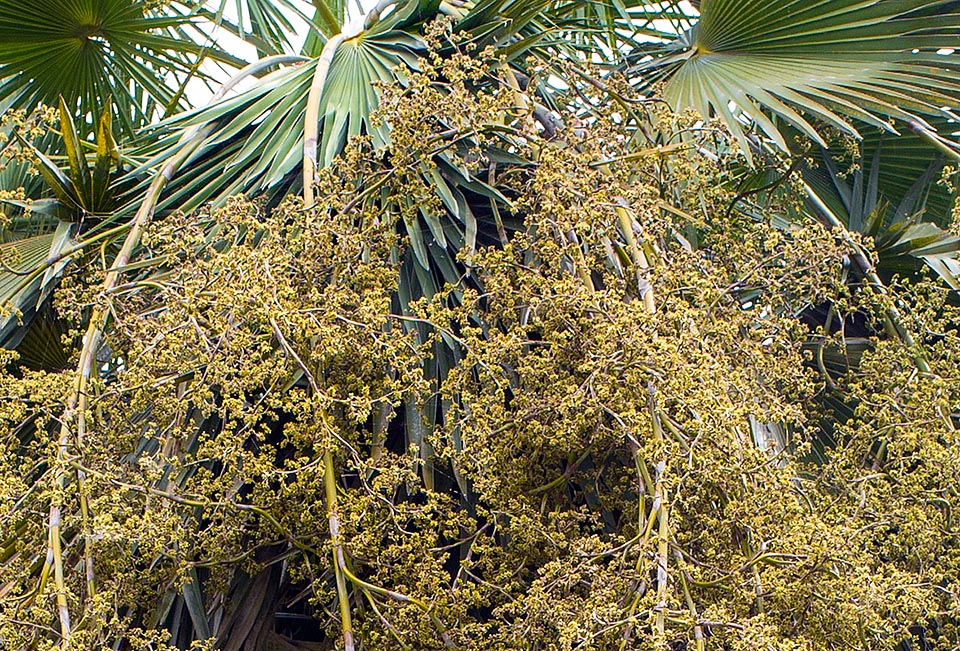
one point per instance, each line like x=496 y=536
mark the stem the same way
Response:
x=658 y=513
x=660 y=497
x=339 y=562
x=311 y=124
x=254 y=68
x=757 y=588
x=329 y=19
x=55 y=552
x=641 y=264
x=381 y=420
x=662 y=551
x=700 y=643
x=374 y=15
x=76 y=407
x=89 y=574
x=579 y=260
x=939 y=142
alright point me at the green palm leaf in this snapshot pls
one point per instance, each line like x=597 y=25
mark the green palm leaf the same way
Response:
x=258 y=144
x=276 y=26
x=808 y=61
x=350 y=94
x=892 y=195
x=22 y=287
x=87 y=50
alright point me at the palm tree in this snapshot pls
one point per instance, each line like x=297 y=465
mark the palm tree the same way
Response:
x=783 y=81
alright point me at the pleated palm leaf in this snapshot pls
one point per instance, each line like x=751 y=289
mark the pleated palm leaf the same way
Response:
x=89 y=50
x=778 y=75
x=257 y=136
x=53 y=206
x=810 y=64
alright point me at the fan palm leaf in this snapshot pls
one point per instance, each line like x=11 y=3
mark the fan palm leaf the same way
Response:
x=88 y=50
x=258 y=135
x=809 y=63
x=259 y=140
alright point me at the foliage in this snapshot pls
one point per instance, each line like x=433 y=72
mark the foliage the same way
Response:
x=869 y=61
x=89 y=50
x=439 y=336
x=596 y=481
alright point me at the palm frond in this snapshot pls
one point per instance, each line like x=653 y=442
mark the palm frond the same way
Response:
x=808 y=64
x=259 y=140
x=88 y=50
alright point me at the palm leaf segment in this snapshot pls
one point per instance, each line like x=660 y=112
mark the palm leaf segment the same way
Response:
x=82 y=191
x=272 y=26
x=807 y=59
x=23 y=288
